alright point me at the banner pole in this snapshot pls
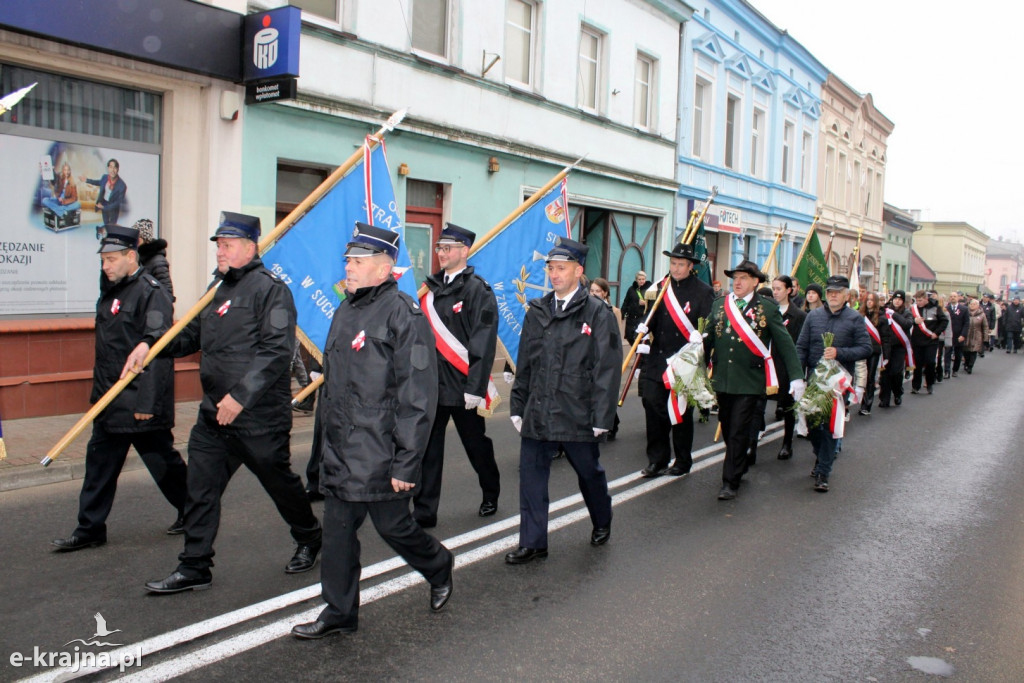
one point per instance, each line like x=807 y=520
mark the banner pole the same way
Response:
x=807 y=241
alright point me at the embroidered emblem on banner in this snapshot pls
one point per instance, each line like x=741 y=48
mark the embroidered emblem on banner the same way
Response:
x=224 y=308
x=360 y=340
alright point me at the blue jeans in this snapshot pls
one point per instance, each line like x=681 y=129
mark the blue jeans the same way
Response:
x=824 y=449
x=1010 y=339
x=54 y=205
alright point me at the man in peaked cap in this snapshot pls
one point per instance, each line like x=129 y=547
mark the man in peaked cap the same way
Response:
x=742 y=328
x=246 y=335
x=463 y=314
x=133 y=307
x=376 y=411
x=565 y=391
x=673 y=325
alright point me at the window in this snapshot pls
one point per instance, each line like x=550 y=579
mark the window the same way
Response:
x=830 y=164
x=519 y=31
x=430 y=26
x=732 y=115
x=701 y=119
x=841 y=181
x=322 y=8
x=787 y=153
x=757 y=143
x=858 y=187
x=294 y=183
x=589 y=69
x=805 y=162
x=643 y=92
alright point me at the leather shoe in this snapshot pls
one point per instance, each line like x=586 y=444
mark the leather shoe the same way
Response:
x=786 y=452
x=600 y=535
x=677 y=471
x=315 y=630
x=178 y=528
x=439 y=595
x=652 y=471
x=178 y=582
x=726 y=493
x=66 y=545
x=929 y=390
x=303 y=559
x=524 y=555
x=488 y=508
x=898 y=400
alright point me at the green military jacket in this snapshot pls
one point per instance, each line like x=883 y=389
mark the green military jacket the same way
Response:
x=737 y=370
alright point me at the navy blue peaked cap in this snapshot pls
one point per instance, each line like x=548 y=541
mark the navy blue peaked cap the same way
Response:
x=566 y=249
x=368 y=240
x=237 y=225
x=455 y=234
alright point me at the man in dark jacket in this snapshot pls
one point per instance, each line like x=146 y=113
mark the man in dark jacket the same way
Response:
x=464 y=317
x=634 y=306
x=377 y=407
x=673 y=325
x=893 y=332
x=989 y=307
x=958 y=325
x=246 y=335
x=929 y=322
x=1013 y=323
x=565 y=392
x=132 y=308
x=850 y=344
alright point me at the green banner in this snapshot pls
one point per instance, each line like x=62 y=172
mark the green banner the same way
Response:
x=700 y=250
x=812 y=267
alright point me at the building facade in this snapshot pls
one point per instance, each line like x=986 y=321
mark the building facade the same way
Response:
x=955 y=250
x=898 y=228
x=1004 y=268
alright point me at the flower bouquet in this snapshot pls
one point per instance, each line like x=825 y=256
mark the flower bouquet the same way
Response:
x=687 y=378
x=823 y=400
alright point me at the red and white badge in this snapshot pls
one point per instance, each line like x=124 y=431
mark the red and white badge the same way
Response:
x=115 y=307
x=224 y=308
x=585 y=329
x=360 y=340
x=457 y=307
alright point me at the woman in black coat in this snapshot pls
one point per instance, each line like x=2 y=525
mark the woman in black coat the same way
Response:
x=793 y=318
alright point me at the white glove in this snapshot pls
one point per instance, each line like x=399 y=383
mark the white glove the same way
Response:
x=509 y=377
x=314 y=375
x=796 y=389
x=517 y=422
x=598 y=431
x=641 y=329
x=643 y=349
x=858 y=395
x=473 y=401
x=636 y=374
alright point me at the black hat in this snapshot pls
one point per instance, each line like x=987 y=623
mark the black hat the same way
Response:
x=369 y=240
x=454 y=234
x=681 y=250
x=816 y=288
x=837 y=282
x=119 y=238
x=566 y=249
x=237 y=225
x=899 y=294
x=748 y=267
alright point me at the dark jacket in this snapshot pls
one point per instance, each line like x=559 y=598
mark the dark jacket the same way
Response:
x=958 y=322
x=135 y=309
x=247 y=336
x=876 y=346
x=633 y=308
x=793 y=319
x=466 y=306
x=990 y=314
x=851 y=340
x=1013 y=319
x=110 y=208
x=153 y=256
x=667 y=338
x=568 y=370
x=890 y=340
x=379 y=396
x=935 y=319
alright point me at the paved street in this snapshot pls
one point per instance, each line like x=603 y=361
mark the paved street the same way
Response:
x=911 y=567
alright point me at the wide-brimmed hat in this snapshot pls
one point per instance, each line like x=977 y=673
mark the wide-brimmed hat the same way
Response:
x=681 y=250
x=748 y=267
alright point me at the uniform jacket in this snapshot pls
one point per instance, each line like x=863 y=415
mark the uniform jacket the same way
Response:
x=379 y=397
x=957 y=321
x=935 y=319
x=153 y=256
x=634 y=306
x=130 y=311
x=667 y=338
x=738 y=370
x=247 y=336
x=568 y=370
x=467 y=308
x=852 y=341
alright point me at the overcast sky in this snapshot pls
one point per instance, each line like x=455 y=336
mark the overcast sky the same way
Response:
x=949 y=76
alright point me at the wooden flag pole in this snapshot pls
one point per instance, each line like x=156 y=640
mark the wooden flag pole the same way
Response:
x=807 y=241
x=775 y=245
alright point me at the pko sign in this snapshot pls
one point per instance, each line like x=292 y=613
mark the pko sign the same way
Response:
x=271 y=44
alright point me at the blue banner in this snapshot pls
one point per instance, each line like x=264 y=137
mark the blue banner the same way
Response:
x=513 y=262
x=309 y=257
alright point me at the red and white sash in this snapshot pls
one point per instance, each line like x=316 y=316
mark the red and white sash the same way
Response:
x=676 y=402
x=753 y=343
x=872 y=330
x=837 y=421
x=921 y=325
x=903 y=337
x=679 y=314
x=450 y=347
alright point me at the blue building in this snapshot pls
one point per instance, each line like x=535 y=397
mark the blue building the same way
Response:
x=750 y=104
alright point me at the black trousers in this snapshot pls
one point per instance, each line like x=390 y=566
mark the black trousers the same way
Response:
x=786 y=411
x=104 y=458
x=891 y=382
x=213 y=457
x=660 y=429
x=869 y=388
x=339 y=573
x=954 y=353
x=737 y=412
x=925 y=357
x=479 y=448
x=969 y=358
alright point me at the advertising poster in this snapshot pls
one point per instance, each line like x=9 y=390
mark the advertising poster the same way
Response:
x=56 y=198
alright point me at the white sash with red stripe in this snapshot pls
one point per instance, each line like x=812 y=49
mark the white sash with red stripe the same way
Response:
x=903 y=337
x=679 y=315
x=451 y=348
x=753 y=342
x=841 y=384
x=873 y=331
x=921 y=325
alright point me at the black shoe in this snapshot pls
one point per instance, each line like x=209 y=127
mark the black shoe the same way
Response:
x=313 y=495
x=487 y=508
x=652 y=471
x=178 y=582
x=913 y=391
x=426 y=523
x=821 y=484
x=970 y=371
x=439 y=595
x=786 y=452
x=524 y=555
x=600 y=535
x=898 y=400
x=304 y=558
x=929 y=390
x=72 y=542
x=178 y=528
x=726 y=493
x=883 y=404
x=677 y=471
x=315 y=630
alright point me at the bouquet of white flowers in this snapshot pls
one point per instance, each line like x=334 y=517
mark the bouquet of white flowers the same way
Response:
x=823 y=400
x=687 y=377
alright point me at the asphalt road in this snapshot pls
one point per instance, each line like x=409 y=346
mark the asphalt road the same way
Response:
x=911 y=568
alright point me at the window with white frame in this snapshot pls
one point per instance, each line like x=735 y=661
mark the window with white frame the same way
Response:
x=788 y=131
x=757 y=131
x=830 y=165
x=841 y=181
x=589 y=69
x=805 y=163
x=328 y=9
x=643 y=92
x=520 y=30
x=701 y=119
x=732 y=126
x=430 y=26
